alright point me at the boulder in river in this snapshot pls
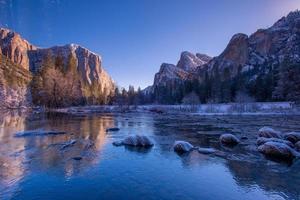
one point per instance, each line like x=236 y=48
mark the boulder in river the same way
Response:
x=268 y=132
x=136 y=141
x=263 y=140
x=182 y=146
x=297 y=146
x=293 y=137
x=277 y=150
x=117 y=143
x=229 y=139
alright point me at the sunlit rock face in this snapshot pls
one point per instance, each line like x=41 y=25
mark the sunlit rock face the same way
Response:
x=71 y=62
x=264 y=47
x=94 y=84
x=14 y=47
x=89 y=64
x=14 y=85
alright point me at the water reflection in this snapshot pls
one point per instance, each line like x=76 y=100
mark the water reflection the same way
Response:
x=86 y=151
x=23 y=155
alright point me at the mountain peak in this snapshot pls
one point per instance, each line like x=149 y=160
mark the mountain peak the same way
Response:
x=189 y=62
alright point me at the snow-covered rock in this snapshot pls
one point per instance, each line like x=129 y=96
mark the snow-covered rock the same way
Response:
x=268 y=132
x=293 y=137
x=297 y=146
x=263 y=140
x=136 y=141
x=278 y=150
x=229 y=139
x=189 y=62
x=182 y=146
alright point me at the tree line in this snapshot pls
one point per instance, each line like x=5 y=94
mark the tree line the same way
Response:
x=271 y=81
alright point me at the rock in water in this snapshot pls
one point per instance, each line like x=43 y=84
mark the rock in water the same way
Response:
x=297 y=146
x=137 y=141
x=182 y=146
x=117 y=143
x=293 y=137
x=112 y=129
x=77 y=158
x=277 y=150
x=268 y=132
x=206 y=150
x=229 y=139
x=262 y=140
x=38 y=133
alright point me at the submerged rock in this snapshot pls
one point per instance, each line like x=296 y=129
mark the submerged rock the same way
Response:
x=182 y=146
x=112 y=129
x=206 y=150
x=277 y=150
x=229 y=139
x=135 y=140
x=293 y=137
x=38 y=133
x=77 y=158
x=268 y=132
x=297 y=146
x=262 y=140
x=117 y=143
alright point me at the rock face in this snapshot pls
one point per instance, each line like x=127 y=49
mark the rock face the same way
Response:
x=88 y=64
x=264 y=46
x=189 y=62
x=14 y=47
x=255 y=65
x=74 y=71
x=169 y=73
x=171 y=77
x=14 y=85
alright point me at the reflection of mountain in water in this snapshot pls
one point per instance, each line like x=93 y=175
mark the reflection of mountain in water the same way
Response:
x=20 y=155
x=11 y=166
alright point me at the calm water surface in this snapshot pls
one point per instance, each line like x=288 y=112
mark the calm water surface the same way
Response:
x=43 y=167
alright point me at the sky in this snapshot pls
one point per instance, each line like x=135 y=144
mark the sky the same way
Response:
x=134 y=37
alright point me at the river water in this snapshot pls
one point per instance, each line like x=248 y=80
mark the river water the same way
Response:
x=83 y=163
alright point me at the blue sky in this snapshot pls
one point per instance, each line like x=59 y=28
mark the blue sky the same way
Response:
x=135 y=36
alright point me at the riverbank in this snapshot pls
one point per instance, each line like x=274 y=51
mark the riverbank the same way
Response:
x=258 y=108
